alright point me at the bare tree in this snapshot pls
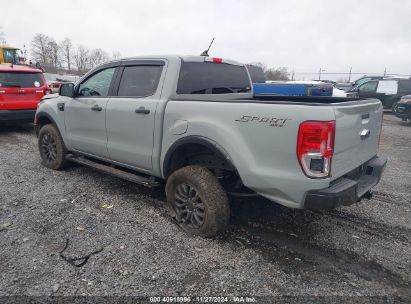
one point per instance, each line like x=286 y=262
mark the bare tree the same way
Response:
x=46 y=52
x=66 y=49
x=40 y=49
x=116 y=55
x=280 y=73
x=260 y=64
x=53 y=56
x=96 y=57
x=81 y=58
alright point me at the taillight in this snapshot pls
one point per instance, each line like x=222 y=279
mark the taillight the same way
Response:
x=213 y=59
x=47 y=91
x=382 y=120
x=315 y=147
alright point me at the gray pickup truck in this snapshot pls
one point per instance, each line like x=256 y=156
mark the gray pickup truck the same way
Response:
x=192 y=121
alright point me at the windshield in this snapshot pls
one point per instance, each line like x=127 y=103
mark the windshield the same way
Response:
x=11 y=56
x=21 y=80
x=212 y=78
x=362 y=80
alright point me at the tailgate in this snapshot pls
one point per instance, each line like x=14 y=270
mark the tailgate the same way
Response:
x=358 y=128
x=20 y=98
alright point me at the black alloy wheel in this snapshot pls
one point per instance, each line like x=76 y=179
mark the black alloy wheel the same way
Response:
x=49 y=147
x=188 y=206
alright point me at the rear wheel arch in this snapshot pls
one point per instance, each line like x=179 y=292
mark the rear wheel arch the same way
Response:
x=196 y=150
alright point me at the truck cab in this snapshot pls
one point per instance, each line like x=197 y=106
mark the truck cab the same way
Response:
x=10 y=54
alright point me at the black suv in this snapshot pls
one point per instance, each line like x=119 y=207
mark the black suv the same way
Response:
x=389 y=91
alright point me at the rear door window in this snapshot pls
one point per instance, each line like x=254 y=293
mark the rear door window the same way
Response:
x=139 y=80
x=387 y=86
x=404 y=85
x=21 y=80
x=212 y=78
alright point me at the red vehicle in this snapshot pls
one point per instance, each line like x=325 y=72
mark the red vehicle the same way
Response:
x=21 y=88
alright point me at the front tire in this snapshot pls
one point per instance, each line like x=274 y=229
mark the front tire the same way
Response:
x=394 y=107
x=51 y=147
x=197 y=201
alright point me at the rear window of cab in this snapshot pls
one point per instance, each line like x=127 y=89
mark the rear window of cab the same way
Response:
x=21 y=80
x=212 y=78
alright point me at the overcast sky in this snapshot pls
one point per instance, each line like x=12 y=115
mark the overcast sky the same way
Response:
x=368 y=35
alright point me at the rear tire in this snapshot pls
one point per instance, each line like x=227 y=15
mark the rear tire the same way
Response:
x=51 y=147
x=197 y=201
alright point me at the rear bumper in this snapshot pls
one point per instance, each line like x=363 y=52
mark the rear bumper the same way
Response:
x=346 y=191
x=17 y=115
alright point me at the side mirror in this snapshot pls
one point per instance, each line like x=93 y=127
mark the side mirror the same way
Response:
x=67 y=89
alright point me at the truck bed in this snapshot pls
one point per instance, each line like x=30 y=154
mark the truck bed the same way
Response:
x=275 y=99
x=260 y=136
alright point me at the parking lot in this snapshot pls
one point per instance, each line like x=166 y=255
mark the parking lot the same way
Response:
x=362 y=250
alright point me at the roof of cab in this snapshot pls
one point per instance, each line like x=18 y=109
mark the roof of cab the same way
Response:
x=9 y=47
x=186 y=58
x=8 y=67
x=165 y=56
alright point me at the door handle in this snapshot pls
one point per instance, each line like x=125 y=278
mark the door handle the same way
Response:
x=142 y=110
x=96 y=108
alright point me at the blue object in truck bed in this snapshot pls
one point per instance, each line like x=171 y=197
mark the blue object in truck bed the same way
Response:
x=292 y=89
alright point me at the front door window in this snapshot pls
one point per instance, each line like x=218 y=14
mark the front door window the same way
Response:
x=97 y=85
x=368 y=87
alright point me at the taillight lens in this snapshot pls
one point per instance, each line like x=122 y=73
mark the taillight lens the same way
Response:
x=214 y=59
x=382 y=120
x=315 y=147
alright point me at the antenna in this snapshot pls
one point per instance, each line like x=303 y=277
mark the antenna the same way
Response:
x=205 y=53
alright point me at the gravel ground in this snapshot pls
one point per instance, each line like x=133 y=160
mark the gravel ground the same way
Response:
x=351 y=253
